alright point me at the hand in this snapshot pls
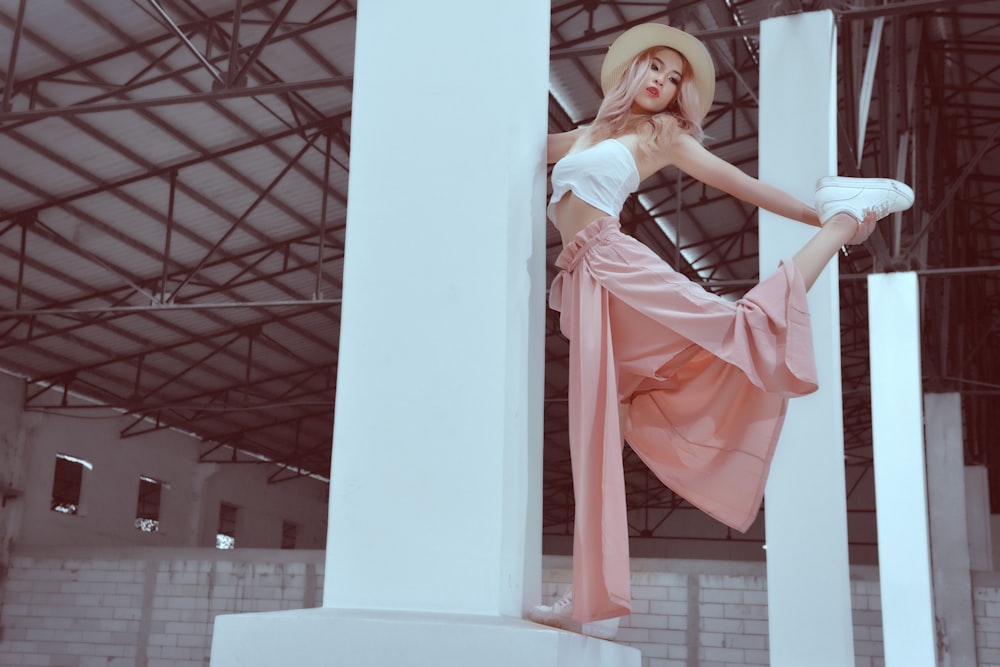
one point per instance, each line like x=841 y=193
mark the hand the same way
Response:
x=865 y=229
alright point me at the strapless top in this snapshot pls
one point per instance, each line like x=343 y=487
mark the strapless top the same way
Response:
x=603 y=175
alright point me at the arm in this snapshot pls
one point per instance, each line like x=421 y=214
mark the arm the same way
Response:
x=559 y=144
x=694 y=159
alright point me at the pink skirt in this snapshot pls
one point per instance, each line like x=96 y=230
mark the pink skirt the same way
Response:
x=706 y=382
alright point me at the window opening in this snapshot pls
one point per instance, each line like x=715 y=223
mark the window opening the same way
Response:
x=226 y=536
x=67 y=483
x=147 y=511
x=289 y=532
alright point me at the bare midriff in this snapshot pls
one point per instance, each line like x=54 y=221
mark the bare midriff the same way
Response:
x=573 y=215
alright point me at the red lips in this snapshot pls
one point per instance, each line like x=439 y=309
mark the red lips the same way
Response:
x=653 y=91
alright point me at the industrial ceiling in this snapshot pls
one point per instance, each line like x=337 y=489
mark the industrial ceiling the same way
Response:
x=173 y=186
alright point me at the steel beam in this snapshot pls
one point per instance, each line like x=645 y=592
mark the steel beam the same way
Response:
x=8 y=88
x=173 y=27
x=164 y=171
x=113 y=311
x=250 y=209
x=264 y=41
x=210 y=204
x=191 y=340
x=234 y=42
x=134 y=85
x=161 y=308
x=181 y=137
x=190 y=98
x=984 y=147
x=166 y=241
x=318 y=288
x=568 y=49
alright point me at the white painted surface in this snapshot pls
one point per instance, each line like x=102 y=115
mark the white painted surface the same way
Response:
x=949 y=537
x=900 y=481
x=437 y=429
x=809 y=595
x=355 y=638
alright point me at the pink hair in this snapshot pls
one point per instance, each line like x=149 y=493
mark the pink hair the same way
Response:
x=614 y=117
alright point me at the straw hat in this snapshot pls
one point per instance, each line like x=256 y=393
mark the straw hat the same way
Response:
x=635 y=40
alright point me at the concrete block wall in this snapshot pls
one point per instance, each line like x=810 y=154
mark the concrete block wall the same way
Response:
x=866 y=604
x=986 y=610
x=155 y=607
x=142 y=607
x=714 y=613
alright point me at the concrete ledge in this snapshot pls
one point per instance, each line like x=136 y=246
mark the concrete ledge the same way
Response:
x=559 y=568
x=374 y=638
x=129 y=552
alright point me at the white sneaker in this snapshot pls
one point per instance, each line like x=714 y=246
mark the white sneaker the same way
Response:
x=860 y=196
x=560 y=615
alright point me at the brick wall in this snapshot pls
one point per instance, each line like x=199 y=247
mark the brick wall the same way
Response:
x=714 y=613
x=986 y=609
x=142 y=607
x=154 y=607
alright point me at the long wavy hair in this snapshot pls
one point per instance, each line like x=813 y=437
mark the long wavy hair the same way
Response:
x=614 y=117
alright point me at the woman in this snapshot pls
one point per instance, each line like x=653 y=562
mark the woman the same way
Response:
x=697 y=385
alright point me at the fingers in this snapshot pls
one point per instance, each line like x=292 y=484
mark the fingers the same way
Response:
x=865 y=229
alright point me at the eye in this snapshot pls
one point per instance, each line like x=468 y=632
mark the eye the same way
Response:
x=655 y=67
x=675 y=80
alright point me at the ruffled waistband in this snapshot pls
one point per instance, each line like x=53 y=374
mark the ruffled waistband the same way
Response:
x=594 y=232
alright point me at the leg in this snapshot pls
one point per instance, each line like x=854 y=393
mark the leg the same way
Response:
x=821 y=248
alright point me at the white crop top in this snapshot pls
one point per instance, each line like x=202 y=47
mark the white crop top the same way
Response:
x=603 y=175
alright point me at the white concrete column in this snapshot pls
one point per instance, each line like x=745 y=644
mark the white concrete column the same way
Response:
x=808 y=576
x=900 y=481
x=949 y=537
x=439 y=381
x=977 y=512
x=433 y=548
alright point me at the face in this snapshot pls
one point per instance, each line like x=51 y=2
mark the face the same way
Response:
x=660 y=84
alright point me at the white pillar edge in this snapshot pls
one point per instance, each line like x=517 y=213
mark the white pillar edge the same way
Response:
x=899 y=465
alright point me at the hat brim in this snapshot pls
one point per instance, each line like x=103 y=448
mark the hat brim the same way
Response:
x=637 y=39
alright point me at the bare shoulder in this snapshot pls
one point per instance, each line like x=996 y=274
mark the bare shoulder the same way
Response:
x=679 y=149
x=672 y=149
x=560 y=143
x=678 y=144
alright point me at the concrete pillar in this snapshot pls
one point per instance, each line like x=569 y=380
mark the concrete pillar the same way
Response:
x=14 y=448
x=439 y=382
x=977 y=513
x=949 y=530
x=434 y=548
x=900 y=482
x=808 y=576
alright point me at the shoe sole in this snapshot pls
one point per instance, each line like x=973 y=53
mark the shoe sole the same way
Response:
x=591 y=629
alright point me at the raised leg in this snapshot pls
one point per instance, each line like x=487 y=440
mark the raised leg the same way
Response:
x=821 y=248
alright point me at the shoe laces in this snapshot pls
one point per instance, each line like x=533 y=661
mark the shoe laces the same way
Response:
x=564 y=601
x=880 y=209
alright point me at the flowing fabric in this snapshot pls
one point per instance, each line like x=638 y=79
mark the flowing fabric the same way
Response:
x=706 y=382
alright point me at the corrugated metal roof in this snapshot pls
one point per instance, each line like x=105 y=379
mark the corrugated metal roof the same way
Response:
x=118 y=135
